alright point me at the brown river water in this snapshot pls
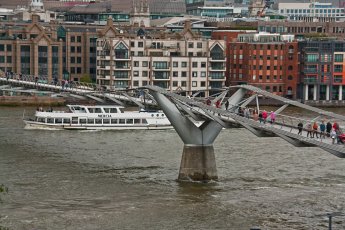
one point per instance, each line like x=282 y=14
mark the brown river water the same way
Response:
x=127 y=180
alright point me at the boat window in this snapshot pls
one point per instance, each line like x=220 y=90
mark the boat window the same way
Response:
x=98 y=110
x=114 y=121
x=41 y=119
x=82 y=121
x=144 y=121
x=90 y=121
x=121 y=110
x=98 y=121
x=122 y=121
x=106 y=121
x=58 y=120
x=136 y=121
x=66 y=120
x=78 y=109
x=106 y=110
x=74 y=120
x=50 y=120
x=162 y=114
x=129 y=121
x=113 y=110
x=91 y=110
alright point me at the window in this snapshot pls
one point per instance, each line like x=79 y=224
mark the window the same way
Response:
x=145 y=64
x=144 y=74
x=72 y=39
x=136 y=64
x=136 y=83
x=175 y=64
x=194 y=74
x=78 y=38
x=203 y=84
x=290 y=67
x=136 y=73
x=78 y=60
x=9 y=59
x=338 y=57
x=9 y=48
x=190 y=44
x=194 y=83
x=140 y=44
x=132 y=44
x=183 y=83
x=183 y=74
x=175 y=74
x=203 y=64
x=184 y=64
x=195 y=64
x=199 y=45
x=203 y=74
x=79 y=49
x=72 y=59
x=290 y=78
x=175 y=83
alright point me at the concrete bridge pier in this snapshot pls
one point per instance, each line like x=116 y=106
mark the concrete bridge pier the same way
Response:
x=198 y=161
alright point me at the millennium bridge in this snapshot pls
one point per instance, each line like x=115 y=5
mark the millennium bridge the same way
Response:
x=197 y=123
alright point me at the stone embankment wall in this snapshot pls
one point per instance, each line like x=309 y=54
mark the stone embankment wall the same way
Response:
x=31 y=100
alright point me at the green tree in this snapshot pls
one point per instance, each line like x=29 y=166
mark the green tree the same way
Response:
x=86 y=78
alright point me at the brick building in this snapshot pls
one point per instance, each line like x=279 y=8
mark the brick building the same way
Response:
x=267 y=61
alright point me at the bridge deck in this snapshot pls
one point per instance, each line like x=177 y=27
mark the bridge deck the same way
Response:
x=286 y=131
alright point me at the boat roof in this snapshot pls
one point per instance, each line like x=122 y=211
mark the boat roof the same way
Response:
x=97 y=106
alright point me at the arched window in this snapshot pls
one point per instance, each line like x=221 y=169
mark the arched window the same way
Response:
x=290 y=67
x=121 y=51
x=290 y=78
x=217 y=52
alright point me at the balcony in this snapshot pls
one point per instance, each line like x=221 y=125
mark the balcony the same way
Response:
x=310 y=71
x=166 y=68
x=122 y=67
x=121 y=56
x=104 y=67
x=217 y=59
x=310 y=80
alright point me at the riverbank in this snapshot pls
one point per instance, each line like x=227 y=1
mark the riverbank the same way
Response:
x=31 y=101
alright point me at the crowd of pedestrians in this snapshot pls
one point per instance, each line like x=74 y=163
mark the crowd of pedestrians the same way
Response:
x=323 y=131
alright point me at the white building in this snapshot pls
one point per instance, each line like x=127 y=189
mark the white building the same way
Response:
x=184 y=62
x=313 y=11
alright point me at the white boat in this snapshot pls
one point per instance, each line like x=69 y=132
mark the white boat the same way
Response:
x=98 y=117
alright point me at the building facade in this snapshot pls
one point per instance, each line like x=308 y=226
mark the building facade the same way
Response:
x=179 y=61
x=31 y=50
x=312 y=11
x=50 y=50
x=267 y=61
x=322 y=70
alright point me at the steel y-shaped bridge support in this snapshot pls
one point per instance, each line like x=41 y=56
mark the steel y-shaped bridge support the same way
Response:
x=198 y=160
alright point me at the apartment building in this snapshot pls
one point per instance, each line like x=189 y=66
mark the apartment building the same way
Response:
x=174 y=61
x=50 y=50
x=268 y=61
x=322 y=69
